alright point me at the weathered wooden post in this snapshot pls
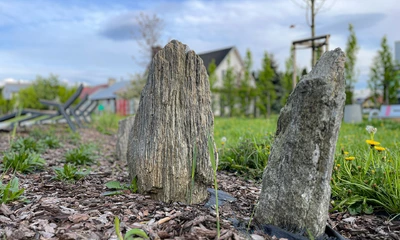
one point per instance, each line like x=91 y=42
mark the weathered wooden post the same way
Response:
x=295 y=190
x=173 y=122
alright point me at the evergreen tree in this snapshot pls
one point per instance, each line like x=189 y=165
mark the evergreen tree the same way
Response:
x=350 y=73
x=287 y=79
x=277 y=83
x=265 y=86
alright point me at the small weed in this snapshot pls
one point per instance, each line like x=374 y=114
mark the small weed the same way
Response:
x=28 y=143
x=10 y=192
x=23 y=161
x=70 y=173
x=214 y=162
x=118 y=188
x=38 y=133
x=52 y=142
x=131 y=234
x=83 y=155
x=73 y=138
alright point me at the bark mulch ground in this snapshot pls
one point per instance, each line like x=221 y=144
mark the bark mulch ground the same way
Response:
x=58 y=210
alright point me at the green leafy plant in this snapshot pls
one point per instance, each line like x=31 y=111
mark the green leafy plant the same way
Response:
x=10 y=192
x=249 y=157
x=28 y=143
x=73 y=137
x=118 y=188
x=366 y=175
x=52 y=142
x=23 y=161
x=193 y=172
x=214 y=167
x=83 y=155
x=70 y=173
x=129 y=235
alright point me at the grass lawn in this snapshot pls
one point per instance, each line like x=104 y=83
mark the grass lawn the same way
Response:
x=366 y=176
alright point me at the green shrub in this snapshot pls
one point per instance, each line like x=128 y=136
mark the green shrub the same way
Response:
x=10 y=192
x=24 y=161
x=28 y=143
x=83 y=155
x=70 y=173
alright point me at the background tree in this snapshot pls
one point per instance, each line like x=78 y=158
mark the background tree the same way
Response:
x=213 y=79
x=245 y=88
x=277 y=83
x=349 y=71
x=313 y=7
x=266 y=91
x=48 y=88
x=228 y=91
x=287 y=78
x=135 y=88
x=384 y=72
x=148 y=35
x=374 y=81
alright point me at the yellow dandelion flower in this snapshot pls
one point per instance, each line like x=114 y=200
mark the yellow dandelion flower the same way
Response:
x=338 y=165
x=372 y=142
x=379 y=149
x=345 y=153
x=349 y=158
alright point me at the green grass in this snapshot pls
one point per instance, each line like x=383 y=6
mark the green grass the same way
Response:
x=236 y=129
x=369 y=182
x=107 y=123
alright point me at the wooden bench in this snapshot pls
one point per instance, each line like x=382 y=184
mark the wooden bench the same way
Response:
x=386 y=111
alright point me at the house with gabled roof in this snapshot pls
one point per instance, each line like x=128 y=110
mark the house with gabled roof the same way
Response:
x=108 y=99
x=225 y=58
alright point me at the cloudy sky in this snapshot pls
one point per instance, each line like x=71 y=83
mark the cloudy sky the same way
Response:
x=92 y=40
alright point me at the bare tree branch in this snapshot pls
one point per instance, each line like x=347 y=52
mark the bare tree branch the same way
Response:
x=148 y=35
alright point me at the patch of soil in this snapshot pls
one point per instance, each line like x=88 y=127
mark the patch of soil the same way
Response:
x=57 y=210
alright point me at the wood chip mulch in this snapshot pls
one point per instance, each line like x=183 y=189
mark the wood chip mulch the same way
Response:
x=57 y=210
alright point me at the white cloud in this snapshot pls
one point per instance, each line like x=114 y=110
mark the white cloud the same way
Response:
x=81 y=41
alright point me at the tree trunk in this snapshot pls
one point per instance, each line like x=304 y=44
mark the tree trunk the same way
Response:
x=295 y=190
x=313 y=57
x=173 y=123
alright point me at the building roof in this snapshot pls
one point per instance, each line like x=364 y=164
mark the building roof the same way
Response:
x=91 y=90
x=217 y=55
x=109 y=92
x=10 y=88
